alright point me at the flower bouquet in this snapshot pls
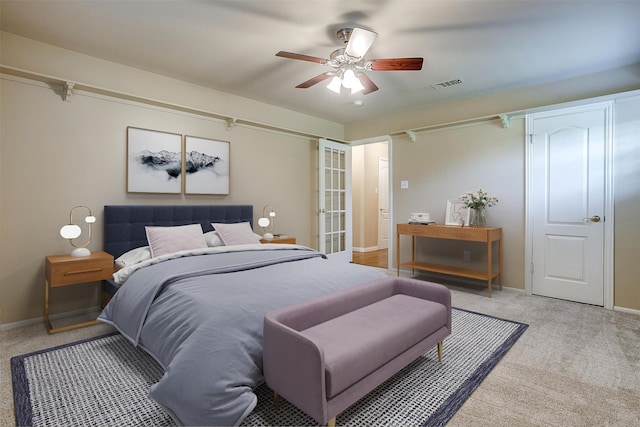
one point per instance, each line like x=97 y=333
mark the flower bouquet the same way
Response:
x=478 y=201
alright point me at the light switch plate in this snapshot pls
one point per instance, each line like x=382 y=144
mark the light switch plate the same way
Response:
x=404 y=184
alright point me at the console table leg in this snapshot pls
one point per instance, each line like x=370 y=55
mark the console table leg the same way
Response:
x=489 y=265
x=500 y=260
x=398 y=254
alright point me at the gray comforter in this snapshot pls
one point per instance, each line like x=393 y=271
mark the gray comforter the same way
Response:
x=201 y=318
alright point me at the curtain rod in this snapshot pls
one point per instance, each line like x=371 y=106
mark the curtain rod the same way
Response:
x=68 y=87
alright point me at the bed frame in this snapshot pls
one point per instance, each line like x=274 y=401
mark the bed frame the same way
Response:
x=124 y=224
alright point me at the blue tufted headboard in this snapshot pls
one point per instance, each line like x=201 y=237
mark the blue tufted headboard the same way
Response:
x=124 y=224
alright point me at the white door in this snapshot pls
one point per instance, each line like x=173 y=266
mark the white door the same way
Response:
x=335 y=233
x=568 y=185
x=383 y=203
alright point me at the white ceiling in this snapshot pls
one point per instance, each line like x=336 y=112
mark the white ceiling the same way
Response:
x=230 y=45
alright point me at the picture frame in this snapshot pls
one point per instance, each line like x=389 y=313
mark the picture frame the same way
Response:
x=457 y=213
x=154 y=161
x=206 y=166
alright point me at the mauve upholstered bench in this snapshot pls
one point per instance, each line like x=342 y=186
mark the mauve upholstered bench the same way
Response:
x=325 y=354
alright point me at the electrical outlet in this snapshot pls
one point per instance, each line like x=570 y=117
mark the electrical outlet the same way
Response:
x=466 y=255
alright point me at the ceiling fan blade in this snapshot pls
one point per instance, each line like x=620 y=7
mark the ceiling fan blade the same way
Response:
x=301 y=57
x=369 y=85
x=395 y=64
x=359 y=42
x=315 y=80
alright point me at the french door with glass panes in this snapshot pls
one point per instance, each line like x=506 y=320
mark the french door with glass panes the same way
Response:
x=335 y=234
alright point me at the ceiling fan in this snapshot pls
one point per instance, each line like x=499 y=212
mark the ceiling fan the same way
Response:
x=349 y=65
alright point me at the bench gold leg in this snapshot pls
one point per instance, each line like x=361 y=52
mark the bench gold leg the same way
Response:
x=276 y=400
x=332 y=422
x=439 y=351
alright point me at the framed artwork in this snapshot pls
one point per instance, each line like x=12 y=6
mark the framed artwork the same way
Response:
x=206 y=166
x=457 y=213
x=154 y=161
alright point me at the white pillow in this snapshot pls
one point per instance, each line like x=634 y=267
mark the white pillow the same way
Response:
x=167 y=240
x=134 y=256
x=239 y=233
x=213 y=239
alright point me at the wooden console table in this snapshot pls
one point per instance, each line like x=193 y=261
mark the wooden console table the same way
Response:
x=471 y=234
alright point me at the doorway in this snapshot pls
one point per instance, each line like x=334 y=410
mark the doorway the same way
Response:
x=568 y=213
x=372 y=215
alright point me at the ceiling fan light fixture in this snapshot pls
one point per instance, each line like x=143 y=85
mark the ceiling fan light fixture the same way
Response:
x=356 y=86
x=359 y=43
x=335 y=84
x=349 y=79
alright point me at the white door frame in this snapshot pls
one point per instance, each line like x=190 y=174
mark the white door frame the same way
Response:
x=389 y=141
x=380 y=240
x=608 y=196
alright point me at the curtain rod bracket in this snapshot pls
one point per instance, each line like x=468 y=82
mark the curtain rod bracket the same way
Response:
x=411 y=134
x=505 y=121
x=231 y=122
x=67 y=91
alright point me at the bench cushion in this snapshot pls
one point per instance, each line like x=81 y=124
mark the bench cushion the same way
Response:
x=382 y=331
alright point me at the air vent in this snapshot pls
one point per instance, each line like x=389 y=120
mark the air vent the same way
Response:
x=446 y=84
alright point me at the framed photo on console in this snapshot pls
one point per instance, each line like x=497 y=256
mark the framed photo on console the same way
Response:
x=457 y=213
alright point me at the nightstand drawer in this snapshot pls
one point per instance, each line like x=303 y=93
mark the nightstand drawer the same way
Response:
x=291 y=240
x=66 y=270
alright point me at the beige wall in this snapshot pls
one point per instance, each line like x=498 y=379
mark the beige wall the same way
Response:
x=437 y=162
x=443 y=163
x=55 y=154
x=440 y=165
x=85 y=71
x=627 y=203
x=357 y=192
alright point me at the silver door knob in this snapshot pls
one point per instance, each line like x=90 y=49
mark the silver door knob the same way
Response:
x=594 y=218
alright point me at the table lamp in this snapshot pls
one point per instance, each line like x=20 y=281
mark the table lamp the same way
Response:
x=266 y=222
x=72 y=231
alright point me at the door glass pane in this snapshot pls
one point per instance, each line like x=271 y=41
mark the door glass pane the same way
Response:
x=327 y=244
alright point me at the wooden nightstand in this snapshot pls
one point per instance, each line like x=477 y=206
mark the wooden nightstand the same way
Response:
x=65 y=270
x=291 y=240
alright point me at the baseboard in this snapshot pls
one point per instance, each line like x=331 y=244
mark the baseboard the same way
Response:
x=29 y=322
x=626 y=310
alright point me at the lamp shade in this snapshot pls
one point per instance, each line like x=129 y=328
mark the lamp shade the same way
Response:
x=349 y=79
x=70 y=231
x=335 y=84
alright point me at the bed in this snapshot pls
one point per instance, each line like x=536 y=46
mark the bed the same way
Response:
x=199 y=311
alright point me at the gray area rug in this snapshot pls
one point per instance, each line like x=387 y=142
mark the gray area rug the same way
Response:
x=105 y=381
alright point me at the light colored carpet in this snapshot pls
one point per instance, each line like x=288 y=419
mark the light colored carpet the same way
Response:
x=576 y=365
